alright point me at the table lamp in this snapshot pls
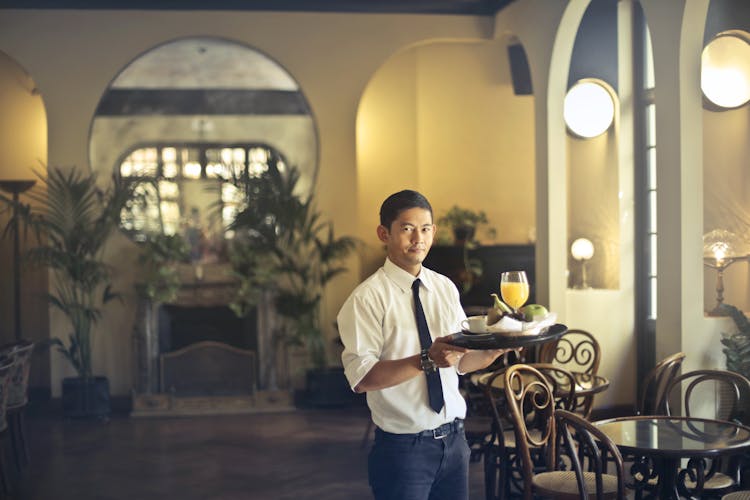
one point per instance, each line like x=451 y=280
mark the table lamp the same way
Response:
x=582 y=250
x=721 y=249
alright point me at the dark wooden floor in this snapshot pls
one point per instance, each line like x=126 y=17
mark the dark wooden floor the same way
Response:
x=305 y=454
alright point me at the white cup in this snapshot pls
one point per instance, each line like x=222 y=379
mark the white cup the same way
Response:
x=475 y=324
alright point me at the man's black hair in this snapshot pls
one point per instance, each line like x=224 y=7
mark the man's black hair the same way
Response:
x=398 y=202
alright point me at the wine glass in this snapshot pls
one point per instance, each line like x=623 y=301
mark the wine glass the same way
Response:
x=514 y=288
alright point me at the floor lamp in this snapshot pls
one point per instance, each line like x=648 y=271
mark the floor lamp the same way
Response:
x=16 y=187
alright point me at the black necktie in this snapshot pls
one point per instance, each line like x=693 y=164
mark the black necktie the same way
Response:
x=434 y=387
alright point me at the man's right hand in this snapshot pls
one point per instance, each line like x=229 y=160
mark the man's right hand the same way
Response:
x=444 y=354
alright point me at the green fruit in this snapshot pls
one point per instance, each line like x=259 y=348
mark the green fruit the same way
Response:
x=533 y=312
x=499 y=304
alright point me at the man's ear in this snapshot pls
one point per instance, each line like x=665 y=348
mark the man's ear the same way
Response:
x=382 y=233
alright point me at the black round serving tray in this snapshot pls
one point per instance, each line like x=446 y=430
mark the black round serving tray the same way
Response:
x=506 y=340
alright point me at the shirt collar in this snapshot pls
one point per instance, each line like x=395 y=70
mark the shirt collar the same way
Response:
x=404 y=279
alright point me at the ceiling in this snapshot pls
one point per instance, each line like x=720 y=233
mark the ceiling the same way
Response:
x=464 y=7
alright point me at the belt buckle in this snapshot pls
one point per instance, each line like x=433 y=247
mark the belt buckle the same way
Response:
x=441 y=432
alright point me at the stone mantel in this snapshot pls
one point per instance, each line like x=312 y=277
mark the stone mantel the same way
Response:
x=148 y=396
x=205 y=294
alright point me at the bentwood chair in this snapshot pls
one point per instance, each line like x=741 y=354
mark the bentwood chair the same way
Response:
x=589 y=452
x=18 y=399
x=737 y=495
x=502 y=469
x=656 y=382
x=6 y=372
x=479 y=415
x=530 y=398
x=577 y=351
x=651 y=402
x=718 y=394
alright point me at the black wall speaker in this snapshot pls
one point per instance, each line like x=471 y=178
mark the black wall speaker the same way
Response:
x=519 y=70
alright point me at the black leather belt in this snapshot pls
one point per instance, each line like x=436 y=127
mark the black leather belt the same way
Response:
x=445 y=429
x=436 y=433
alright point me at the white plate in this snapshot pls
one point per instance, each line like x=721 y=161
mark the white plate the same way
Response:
x=510 y=326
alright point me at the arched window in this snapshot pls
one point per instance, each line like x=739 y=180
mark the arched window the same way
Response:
x=183 y=188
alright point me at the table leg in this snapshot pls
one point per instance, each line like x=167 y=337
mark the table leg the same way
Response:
x=667 y=478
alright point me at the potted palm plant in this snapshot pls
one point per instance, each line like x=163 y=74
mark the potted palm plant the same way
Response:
x=737 y=345
x=283 y=245
x=73 y=219
x=464 y=223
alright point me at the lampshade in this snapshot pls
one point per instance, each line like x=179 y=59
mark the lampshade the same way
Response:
x=589 y=108
x=582 y=249
x=720 y=244
x=725 y=70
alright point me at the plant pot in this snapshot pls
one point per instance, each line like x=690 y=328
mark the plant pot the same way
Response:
x=463 y=234
x=328 y=387
x=85 y=397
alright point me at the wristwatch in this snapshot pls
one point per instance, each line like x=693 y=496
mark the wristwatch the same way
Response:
x=427 y=365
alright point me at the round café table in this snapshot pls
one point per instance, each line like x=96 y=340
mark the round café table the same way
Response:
x=666 y=440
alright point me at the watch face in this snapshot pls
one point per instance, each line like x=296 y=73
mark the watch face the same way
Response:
x=426 y=363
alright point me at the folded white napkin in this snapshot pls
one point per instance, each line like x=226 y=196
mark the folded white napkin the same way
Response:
x=513 y=326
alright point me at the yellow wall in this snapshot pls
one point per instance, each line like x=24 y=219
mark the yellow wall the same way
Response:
x=75 y=54
x=23 y=135
x=726 y=191
x=442 y=118
x=402 y=59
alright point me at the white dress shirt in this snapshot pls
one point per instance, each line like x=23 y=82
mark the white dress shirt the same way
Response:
x=377 y=322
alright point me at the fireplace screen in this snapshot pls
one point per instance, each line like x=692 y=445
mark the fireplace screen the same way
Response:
x=209 y=368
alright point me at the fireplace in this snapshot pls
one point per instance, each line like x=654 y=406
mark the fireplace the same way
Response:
x=207 y=351
x=195 y=356
x=180 y=326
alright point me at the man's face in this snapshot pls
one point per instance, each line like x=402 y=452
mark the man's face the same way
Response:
x=409 y=238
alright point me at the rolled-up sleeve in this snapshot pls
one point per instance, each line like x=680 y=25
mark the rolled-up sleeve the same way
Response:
x=360 y=327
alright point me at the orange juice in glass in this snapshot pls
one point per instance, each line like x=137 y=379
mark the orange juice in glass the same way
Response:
x=514 y=288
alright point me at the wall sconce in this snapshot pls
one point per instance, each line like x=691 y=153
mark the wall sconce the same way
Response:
x=582 y=250
x=725 y=69
x=589 y=108
x=721 y=249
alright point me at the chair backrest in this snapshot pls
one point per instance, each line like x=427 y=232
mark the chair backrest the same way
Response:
x=530 y=399
x=577 y=350
x=656 y=383
x=696 y=391
x=21 y=353
x=579 y=439
x=7 y=365
x=562 y=382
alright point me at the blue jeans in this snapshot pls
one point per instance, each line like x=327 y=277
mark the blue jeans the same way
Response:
x=412 y=467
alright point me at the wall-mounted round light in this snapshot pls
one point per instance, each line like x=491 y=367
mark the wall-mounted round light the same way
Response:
x=582 y=249
x=725 y=69
x=589 y=108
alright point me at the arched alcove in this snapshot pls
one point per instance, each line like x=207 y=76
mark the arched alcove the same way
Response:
x=442 y=117
x=199 y=103
x=593 y=176
x=726 y=178
x=182 y=121
x=23 y=155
